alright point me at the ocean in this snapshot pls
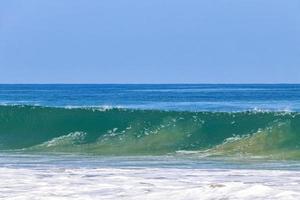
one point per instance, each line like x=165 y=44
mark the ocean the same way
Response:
x=150 y=141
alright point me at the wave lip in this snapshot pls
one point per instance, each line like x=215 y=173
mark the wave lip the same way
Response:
x=117 y=131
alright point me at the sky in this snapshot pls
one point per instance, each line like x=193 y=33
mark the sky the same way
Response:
x=155 y=41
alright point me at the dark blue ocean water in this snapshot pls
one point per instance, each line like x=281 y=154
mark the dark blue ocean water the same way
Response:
x=192 y=97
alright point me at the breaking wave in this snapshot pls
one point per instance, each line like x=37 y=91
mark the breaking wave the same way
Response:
x=119 y=131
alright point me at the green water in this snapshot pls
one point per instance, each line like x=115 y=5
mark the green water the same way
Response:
x=149 y=132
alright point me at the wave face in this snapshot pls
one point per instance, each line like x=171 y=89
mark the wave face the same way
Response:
x=149 y=132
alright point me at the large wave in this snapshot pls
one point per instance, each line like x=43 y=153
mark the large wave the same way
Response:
x=149 y=132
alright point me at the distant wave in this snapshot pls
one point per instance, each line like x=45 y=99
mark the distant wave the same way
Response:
x=118 y=131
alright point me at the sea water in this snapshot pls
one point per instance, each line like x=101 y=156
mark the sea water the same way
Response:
x=150 y=141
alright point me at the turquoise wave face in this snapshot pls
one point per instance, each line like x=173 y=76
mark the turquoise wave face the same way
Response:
x=149 y=132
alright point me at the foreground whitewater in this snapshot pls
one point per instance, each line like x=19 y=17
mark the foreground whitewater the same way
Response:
x=150 y=142
x=73 y=177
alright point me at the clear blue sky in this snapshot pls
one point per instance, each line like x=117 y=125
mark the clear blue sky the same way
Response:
x=149 y=41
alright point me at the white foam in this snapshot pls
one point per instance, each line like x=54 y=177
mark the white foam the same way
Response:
x=147 y=183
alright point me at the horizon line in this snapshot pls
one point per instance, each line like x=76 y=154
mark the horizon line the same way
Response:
x=235 y=83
